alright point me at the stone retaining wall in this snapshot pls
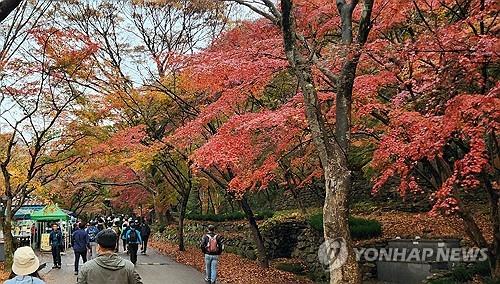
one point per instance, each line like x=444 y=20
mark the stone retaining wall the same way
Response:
x=283 y=239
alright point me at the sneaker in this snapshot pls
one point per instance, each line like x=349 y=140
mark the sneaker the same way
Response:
x=55 y=266
x=76 y=272
x=58 y=266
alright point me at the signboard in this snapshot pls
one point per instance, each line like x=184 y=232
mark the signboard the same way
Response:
x=45 y=243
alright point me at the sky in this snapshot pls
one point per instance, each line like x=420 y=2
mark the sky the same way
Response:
x=126 y=35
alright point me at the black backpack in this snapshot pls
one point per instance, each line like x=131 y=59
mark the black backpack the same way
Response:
x=132 y=237
x=92 y=232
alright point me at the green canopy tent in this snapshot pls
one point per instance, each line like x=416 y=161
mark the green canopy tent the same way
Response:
x=47 y=215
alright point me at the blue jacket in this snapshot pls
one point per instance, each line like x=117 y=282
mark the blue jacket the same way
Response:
x=24 y=280
x=139 y=239
x=55 y=238
x=80 y=240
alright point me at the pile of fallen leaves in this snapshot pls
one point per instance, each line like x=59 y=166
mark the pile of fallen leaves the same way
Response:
x=233 y=269
x=409 y=225
x=3 y=274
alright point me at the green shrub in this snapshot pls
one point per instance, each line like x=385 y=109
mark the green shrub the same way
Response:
x=464 y=273
x=491 y=281
x=364 y=228
x=360 y=228
x=262 y=215
x=316 y=221
x=295 y=268
x=232 y=216
x=446 y=280
x=159 y=228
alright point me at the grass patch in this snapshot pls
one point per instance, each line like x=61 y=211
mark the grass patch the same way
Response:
x=360 y=228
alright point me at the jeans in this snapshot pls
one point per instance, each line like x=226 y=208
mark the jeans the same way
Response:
x=56 y=255
x=83 y=254
x=124 y=244
x=211 y=262
x=93 y=250
x=132 y=250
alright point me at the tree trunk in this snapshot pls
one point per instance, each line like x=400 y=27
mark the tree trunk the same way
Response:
x=332 y=152
x=298 y=200
x=180 y=228
x=159 y=216
x=495 y=223
x=168 y=217
x=259 y=241
x=6 y=223
x=200 y=200
x=210 y=203
x=343 y=266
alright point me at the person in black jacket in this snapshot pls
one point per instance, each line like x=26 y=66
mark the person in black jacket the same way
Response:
x=80 y=243
x=55 y=241
x=145 y=233
x=212 y=246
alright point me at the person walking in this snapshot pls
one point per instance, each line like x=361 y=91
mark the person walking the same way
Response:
x=125 y=230
x=145 y=233
x=118 y=231
x=81 y=244
x=133 y=240
x=212 y=246
x=25 y=267
x=92 y=232
x=108 y=267
x=55 y=242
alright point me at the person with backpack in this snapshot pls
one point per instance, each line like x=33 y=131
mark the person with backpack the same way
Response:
x=118 y=231
x=145 y=233
x=55 y=242
x=92 y=232
x=133 y=240
x=108 y=267
x=212 y=246
x=125 y=230
x=80 y=244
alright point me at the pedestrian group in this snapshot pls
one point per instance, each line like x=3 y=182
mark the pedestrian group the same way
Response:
x=97 y=244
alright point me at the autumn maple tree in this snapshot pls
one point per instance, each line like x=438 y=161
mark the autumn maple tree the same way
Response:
x=442 y=120
x=297 y=53
x=175 y=98
x=36 y=101
x=144 y=102
x=358 y=75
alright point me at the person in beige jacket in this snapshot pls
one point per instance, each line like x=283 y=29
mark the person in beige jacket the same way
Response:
x=108 y=267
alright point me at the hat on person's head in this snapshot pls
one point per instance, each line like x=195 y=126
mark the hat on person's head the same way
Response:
x=211 y=228
x=107 y=239
x=25 y=261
